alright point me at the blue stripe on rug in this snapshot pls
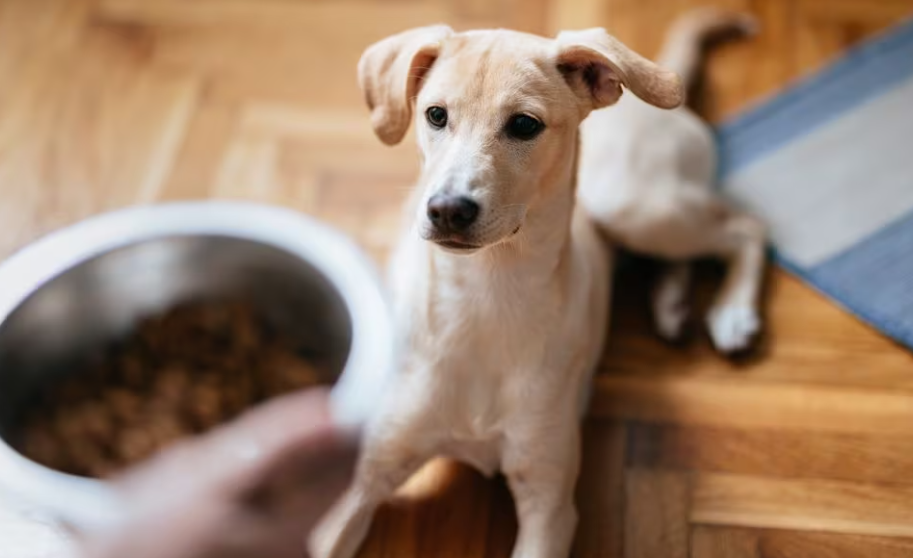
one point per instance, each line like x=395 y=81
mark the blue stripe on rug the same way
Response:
x=862 y=74
x=875 y=279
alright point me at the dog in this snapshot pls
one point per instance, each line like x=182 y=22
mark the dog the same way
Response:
x=647 y=177
x=501 y=279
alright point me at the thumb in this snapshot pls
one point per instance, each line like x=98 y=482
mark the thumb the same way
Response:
x=309 y=474
x=281 y=444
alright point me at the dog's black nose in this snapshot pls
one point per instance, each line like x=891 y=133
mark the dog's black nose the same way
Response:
x=452 y=213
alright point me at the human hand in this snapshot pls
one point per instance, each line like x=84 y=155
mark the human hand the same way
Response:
x=253 y=487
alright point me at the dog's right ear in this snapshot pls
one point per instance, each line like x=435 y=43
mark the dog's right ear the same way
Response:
x=390 y=73
x=596 y=65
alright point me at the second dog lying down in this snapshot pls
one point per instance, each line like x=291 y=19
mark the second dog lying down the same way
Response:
x=647 y=175
x=501 y=281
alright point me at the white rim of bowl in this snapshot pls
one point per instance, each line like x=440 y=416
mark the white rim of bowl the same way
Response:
x=87 y=503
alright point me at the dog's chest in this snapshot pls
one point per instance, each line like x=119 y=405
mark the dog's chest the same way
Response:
x=486 y=350
x=470 y=315
x=474 y=346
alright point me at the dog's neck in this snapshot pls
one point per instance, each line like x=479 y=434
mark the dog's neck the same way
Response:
x=536 y=254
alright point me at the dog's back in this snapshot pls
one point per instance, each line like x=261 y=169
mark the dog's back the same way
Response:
x=634 y=147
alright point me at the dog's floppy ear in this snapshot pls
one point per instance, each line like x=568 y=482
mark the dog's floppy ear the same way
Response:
x=390 y=73
x=596 y=65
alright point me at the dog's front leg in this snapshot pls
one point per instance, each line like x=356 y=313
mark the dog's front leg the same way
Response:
x=542 y=475
x=387 y=461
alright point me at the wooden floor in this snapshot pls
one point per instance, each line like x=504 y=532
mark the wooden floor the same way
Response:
x=803 y=451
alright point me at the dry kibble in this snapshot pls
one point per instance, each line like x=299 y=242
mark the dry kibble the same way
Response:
x=165 y=429
x=72 y=389
x=294 y=374
x=238 y=392
x=83 y=455
x=42 y=445
x=66 y=424
x=123 y=403
x=132 y=372
x=134 y=444
x=245 y=335
x=171 y=384
x=102 y=468
x=95 y=419
x=177 y=374
x=205 y=405
x=298 y=374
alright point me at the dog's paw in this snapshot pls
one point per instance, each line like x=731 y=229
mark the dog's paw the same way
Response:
x=670 y=320
x=670 y=301
x=733 y=327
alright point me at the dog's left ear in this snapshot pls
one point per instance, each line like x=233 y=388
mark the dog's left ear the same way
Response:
x=596 y=65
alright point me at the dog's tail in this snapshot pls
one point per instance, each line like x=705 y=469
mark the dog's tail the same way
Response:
x=685 y=40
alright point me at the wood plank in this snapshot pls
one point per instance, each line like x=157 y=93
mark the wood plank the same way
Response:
x=625 y=19
x=806 y=505
x=739 y=404
x=106 y=136
x=852 y=457
x=36 y=33
x=297 y=52
x=730 y=542
x=523 y=15
x=821 y=42
x=600 y=491
x=788 y=544
x=881 y=13
x=273 y=15
x=798 y=346
x=445 y=510
x=576 y=14
x=195 y=168
x=714 y=542
x=656 y=514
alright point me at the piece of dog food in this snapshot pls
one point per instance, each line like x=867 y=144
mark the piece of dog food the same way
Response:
x=179 y=374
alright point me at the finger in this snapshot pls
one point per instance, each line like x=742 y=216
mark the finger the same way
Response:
x=266 y=430
x=312 y=472
x=225 y=458
x=290 y=433
x=277 y=422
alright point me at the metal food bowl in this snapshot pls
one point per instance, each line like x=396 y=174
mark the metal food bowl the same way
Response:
x=72 y=293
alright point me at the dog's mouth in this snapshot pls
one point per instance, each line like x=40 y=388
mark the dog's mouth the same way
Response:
x=456 y=245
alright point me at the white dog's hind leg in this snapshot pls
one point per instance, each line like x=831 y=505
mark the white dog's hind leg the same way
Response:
x=670 y=294
x=733 y=319
x=692 y=223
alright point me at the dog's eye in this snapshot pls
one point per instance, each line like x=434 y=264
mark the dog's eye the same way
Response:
x=524 y=127
x=436 y=116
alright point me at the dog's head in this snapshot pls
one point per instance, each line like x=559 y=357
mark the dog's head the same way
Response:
x=496 y=116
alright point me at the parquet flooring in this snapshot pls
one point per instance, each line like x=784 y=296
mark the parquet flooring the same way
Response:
x=803 y=451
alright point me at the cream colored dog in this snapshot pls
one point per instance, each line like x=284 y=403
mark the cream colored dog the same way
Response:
x=646 y=176
x=501 y=283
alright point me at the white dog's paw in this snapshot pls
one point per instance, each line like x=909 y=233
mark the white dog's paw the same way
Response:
x=733 y=327
x=670 y=300
x=670 y=320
